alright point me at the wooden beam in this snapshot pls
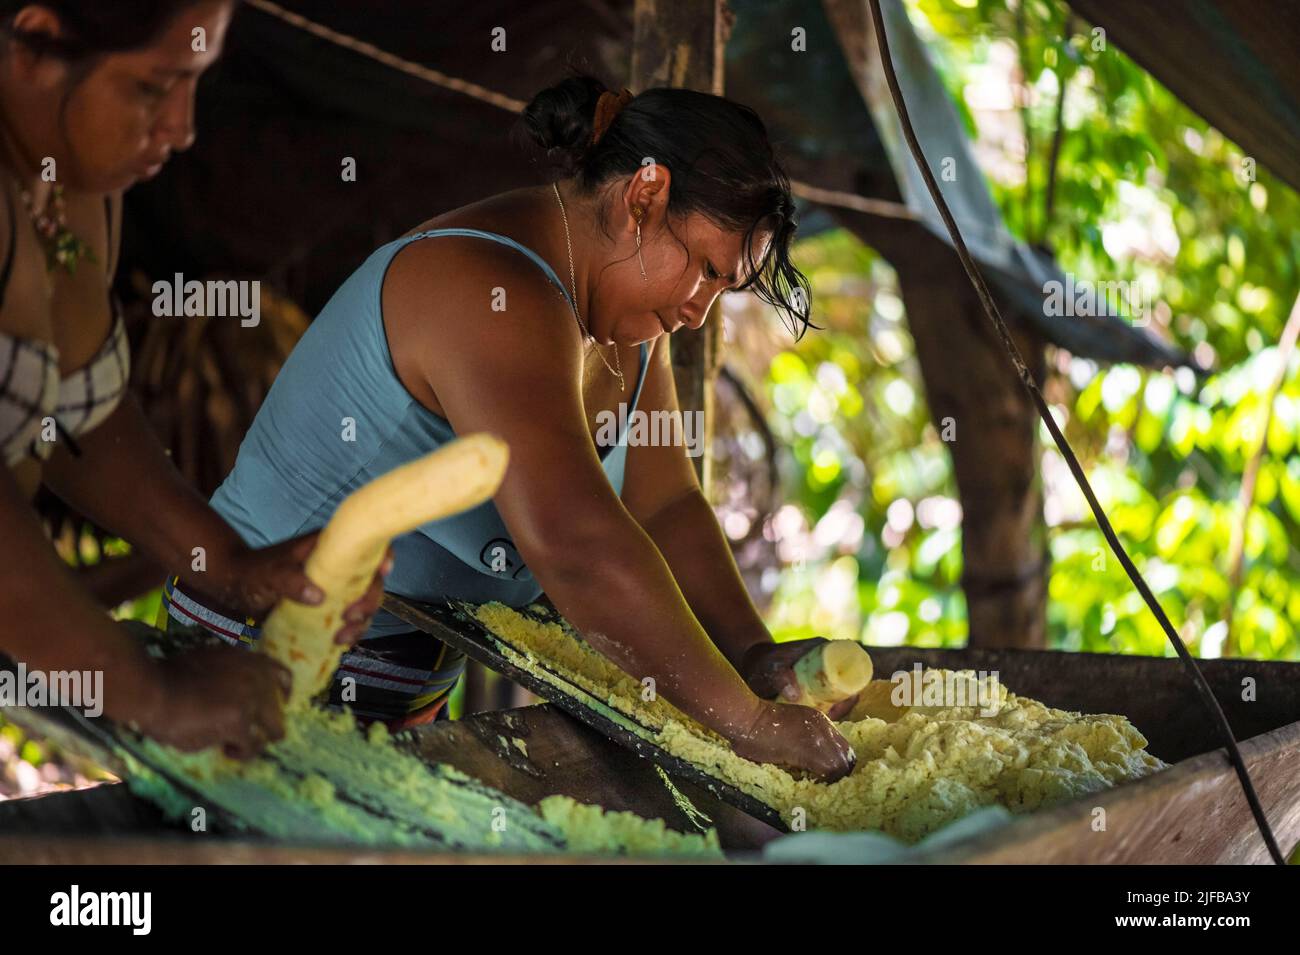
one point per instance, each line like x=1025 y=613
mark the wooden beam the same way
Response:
x=681 y=44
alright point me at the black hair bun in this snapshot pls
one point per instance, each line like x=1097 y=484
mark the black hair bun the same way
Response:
x=559 y=120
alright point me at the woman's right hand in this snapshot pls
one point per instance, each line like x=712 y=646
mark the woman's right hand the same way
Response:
x=798 y=739
x=214 y=696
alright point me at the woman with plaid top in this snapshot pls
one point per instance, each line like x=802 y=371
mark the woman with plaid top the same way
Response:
x=94 y=97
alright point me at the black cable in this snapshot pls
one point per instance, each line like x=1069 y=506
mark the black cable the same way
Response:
x=995 y=316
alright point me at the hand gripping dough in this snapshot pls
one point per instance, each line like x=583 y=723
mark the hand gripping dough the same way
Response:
x=456 y=477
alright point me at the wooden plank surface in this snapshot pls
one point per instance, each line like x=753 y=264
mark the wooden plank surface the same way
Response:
x=1155 y=693
x=156 y=850
x=454 y=625
x=1193 y=813
x=563 y=757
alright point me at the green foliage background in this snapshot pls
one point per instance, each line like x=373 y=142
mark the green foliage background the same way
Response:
x=1165 y=451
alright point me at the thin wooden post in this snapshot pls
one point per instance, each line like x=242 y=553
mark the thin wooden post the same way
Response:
x=979 y=406
x=681 y=44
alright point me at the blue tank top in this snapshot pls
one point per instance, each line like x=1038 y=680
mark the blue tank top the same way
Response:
x=338 y=417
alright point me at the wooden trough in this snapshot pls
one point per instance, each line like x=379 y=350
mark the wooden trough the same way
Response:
x=107 y=824
x=1194 y=812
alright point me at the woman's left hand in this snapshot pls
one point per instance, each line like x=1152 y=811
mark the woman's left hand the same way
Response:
x=259 y=579
x=768 y=668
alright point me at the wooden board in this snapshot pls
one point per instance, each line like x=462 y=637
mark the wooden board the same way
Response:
x=107 y=825
x=152 y=849
x=452 y=624
x=568 y=758
x=563 y=757
x=1193 y=812
x=1155 y=693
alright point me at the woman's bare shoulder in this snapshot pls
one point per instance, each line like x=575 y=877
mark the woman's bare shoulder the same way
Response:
x=477 y=327
x=451 y=302
x=474 y=275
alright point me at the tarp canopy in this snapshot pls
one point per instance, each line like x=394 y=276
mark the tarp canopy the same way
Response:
x=1019 y=272
x=1235 y=62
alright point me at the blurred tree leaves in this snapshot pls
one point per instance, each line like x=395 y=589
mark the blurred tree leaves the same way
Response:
x=1145 y=191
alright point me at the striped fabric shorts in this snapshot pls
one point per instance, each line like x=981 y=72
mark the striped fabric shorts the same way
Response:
x=402 y=679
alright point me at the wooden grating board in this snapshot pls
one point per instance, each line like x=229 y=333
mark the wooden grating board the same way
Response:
x=115 y=747
x=453 y=624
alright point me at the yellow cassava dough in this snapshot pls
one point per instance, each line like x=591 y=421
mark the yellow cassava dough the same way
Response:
x=589 y=828
x=925 y=767
x=328 y=781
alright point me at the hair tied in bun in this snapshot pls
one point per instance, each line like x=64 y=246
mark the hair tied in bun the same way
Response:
x=608 y=106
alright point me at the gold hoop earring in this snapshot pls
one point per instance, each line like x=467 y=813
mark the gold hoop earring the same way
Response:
x=637 y=214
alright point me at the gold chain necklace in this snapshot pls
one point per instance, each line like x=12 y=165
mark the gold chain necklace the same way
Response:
x=573 y=285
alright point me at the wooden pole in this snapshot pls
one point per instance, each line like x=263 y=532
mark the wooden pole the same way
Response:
x=979 y=406
x=681 y=44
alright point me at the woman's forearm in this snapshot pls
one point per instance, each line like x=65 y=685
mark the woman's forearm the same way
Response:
x=125 y=483
x=614 y=586
x=115 y=580
x=689 y=537
x=49 y=623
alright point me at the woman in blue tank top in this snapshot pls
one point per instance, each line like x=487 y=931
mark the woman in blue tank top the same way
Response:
x=543 y=315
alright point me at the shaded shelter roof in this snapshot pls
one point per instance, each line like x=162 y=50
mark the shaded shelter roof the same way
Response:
x=847 y=89
x=262 y=195
x=1235 y=62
